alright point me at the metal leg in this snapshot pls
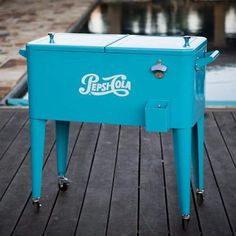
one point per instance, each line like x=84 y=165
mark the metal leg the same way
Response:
x=62 y=135
x=182 y=151
x=37 y=132
x=198 y=158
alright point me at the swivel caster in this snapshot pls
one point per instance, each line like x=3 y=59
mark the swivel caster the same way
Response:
x=200 y=197
x=63 y=183
x=36 y=204
x=185 y=222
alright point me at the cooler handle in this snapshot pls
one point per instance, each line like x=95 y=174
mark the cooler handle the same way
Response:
x=23 y=52
x=209 y=58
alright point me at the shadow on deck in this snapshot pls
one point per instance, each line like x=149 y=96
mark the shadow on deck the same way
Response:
x=123 y=181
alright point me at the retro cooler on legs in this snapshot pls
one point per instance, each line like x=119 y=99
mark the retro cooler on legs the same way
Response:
x=155 y=82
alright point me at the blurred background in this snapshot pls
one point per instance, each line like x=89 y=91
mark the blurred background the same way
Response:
x=215 y=20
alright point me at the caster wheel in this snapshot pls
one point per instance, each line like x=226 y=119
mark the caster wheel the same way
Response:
x=36 y=204
x=200 y=197
x=185 y=222
x=63 y=183
x=63 y=187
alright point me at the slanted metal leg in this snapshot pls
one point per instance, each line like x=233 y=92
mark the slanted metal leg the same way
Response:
x=62 y=136
x=198 y=158
x=182 y=151
x=37 y=133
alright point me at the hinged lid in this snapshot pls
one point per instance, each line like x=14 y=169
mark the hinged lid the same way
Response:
x=154 y=44
x=75 y=42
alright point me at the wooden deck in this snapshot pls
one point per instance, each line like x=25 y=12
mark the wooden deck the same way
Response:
x=123 y=181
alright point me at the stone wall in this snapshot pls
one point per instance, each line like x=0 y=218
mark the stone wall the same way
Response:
x=25 y=20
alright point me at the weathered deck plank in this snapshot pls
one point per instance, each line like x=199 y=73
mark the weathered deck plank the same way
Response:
x=5 y=116
x=123 y=181
x=13 y=158
x=223 y=168
x=212 y=211
x=123 y=218
x=153 y=212
x=11 y=130
x=93 y=219
x=17 y=196
x=227 y=126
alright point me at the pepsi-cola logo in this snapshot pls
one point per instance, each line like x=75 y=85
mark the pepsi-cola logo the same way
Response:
x=116 y=84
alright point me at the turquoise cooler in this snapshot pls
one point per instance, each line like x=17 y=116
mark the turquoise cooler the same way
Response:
x=155 y=82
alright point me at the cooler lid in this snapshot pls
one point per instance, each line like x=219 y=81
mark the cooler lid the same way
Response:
x=75 y=42
x=154 y=44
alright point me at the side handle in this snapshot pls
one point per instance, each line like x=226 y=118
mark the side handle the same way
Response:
x=23 y=52
x=209 y=58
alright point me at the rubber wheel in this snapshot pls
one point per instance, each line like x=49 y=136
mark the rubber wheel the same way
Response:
x=185 y=223
x=37 y=206
x=63 y=187
x=200 y=198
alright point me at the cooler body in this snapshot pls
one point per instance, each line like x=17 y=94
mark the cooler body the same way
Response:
x=155 y=82
x=116 y=86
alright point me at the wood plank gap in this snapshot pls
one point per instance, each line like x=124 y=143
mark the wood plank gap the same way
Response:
x=18 y=194
x=66 y=210
x=53 y=206
x=113 y=179
x=14 y=175
x=3 y=126
x=13 y=157
x=164 y=181
x=139 y=182
x=21 y=213
x=51 y=149
x=234 y=115
x=90 y=170
x=17 y=133
x=195 y=207
x=69 y=159
x=226 y=145
x=94 y=215
x=123 y=216
x=218 y=187
x=73 y=148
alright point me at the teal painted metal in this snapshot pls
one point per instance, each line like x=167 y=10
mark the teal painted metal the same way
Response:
x=62 y=135
x=37 y=136
x=113 y=79
x=198 y=153
x=210 y=57
x=17 y=102
x=182 y=150
x=23 y=52
x=157 y=115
